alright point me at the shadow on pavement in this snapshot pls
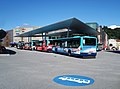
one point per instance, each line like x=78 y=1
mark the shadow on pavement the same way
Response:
x=77 y=56
x=115 y=51
x=7 y=51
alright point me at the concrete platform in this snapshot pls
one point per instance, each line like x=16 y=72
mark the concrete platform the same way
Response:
x=36 y=70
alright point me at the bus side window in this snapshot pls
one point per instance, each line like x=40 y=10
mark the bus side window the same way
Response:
x=77 y=45
x=68 y=44
x=65 y=43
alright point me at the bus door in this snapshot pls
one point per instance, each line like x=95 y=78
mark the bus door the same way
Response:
x=33 y=45
x=74 y=45
x=49 y=45
x=60 y=44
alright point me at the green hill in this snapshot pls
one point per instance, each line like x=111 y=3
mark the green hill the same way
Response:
x=112 y=33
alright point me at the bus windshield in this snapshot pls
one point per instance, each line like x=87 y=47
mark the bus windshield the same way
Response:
x=89 y=41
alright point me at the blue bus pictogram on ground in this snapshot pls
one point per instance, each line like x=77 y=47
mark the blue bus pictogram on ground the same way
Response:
x=73 y=80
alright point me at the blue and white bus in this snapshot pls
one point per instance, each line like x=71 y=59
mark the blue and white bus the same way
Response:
x=77 y=45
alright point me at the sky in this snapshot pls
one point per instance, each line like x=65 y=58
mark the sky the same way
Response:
x=15 y=13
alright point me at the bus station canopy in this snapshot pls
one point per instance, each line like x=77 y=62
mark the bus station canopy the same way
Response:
x=73 y=25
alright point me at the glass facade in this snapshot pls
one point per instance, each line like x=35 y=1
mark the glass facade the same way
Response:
x=93 y=25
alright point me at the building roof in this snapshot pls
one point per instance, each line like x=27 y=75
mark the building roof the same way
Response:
x=75 y=25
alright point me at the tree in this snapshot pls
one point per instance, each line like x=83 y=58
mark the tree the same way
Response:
x=112 y=33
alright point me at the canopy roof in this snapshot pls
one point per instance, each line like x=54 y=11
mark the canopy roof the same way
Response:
x=75 y=25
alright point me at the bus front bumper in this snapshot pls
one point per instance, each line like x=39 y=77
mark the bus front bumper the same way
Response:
x=88 y=54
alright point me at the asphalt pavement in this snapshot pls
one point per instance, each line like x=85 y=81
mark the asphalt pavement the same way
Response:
x=36 y=70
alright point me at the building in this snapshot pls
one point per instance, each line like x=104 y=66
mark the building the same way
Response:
x=11 y=35
x=102 y=37
x=20 y=30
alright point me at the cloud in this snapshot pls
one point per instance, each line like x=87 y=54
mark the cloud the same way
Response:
x=114 y=26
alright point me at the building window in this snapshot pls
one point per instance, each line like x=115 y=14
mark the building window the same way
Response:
x=17 y=34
